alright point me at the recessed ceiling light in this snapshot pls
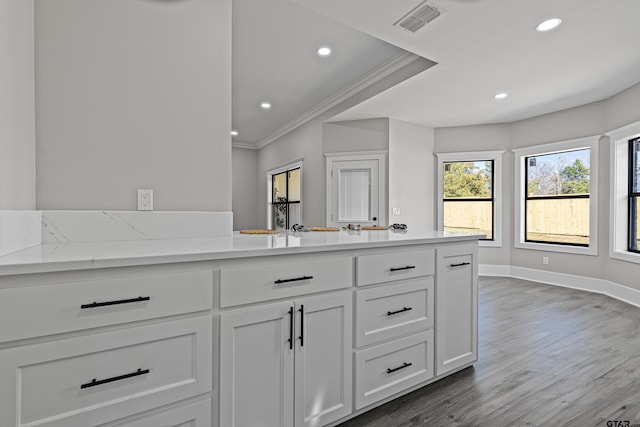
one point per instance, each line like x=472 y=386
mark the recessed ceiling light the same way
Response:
x=234 y=133
x=501 y=95
x=324 y=51
x=548 y=24
x=265 y=105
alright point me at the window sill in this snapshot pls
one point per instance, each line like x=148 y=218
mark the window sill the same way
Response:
x=489 y=244
x=550 y=247
x=625 y=256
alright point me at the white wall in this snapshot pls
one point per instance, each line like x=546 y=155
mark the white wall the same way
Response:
x=245 y=190
x=17 y=135
x=411 y=175
x=133 y=94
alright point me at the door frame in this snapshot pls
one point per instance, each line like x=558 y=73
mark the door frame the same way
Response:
x=380 y=156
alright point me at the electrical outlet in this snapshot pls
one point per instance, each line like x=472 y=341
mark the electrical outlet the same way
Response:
x=545 y=260
x=145 y=200
x=395 y=211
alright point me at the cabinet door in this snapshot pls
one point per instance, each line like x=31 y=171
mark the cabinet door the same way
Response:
x=256 y=367
x=323 y=379
x=456 y=307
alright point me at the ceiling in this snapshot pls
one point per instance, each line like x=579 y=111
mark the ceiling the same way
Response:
x=275 y=60
x=481 y=47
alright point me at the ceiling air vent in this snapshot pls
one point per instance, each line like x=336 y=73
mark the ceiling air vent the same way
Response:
x=418 y=17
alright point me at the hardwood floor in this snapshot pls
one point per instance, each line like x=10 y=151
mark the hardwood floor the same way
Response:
x=548 y=356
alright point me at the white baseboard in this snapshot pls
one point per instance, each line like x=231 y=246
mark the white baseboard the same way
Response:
x=589 y=284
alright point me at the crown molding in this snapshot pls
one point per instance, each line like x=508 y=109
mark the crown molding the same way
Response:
x=243 y=145
x=389 y=67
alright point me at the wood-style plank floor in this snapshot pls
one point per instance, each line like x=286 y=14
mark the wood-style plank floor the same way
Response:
x=548 y=356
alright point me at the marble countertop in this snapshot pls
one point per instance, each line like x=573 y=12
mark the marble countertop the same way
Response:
x=49 y=257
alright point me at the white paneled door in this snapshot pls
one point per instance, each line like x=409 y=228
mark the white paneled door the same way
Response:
x=356 y=192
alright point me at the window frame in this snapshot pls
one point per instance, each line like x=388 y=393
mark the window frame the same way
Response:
x=521 y=154
x=527 y=198
x=619 y=193
x=474 y=156
x=296 y=164
x=632 y=216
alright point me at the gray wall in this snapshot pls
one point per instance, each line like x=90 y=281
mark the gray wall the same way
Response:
x=587 y=120
x=411 y=175
x=305 y=143
x=356 y=135
x=17 y=137
x=620 y=110
x=133 y=94
x=486 y=138
x=308 y=142
x=245 y=190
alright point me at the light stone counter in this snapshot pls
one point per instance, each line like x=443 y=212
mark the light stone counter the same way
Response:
x=49 y=257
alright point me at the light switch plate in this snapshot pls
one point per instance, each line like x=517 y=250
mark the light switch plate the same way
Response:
x=145 y=200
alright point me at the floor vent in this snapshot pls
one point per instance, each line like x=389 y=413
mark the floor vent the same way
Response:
x=418 y=17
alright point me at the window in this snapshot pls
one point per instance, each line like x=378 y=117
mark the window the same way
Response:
x=634 y=194
x=556 y=205
x=468 y=197
x=469 y=188
x=285 y=201
x=625 y=193
x=557 y=201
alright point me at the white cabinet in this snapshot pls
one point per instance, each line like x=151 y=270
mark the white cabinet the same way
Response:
x=390 y=266
x=86 y=349
x=92 y=379
x=394 y=324
x=281 y=279
x=456 y=307
x=387 y=312
x=95 y=302
x=287 y=364
x=390 y=368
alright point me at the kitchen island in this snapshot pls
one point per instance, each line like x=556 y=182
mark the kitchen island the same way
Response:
x=289 y=329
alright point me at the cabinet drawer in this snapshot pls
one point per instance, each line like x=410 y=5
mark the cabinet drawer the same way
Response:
x=283 y=280
x=390 y=311
x=197 y=414
x=393 y=266
x=390 y=368
x=94 y=379
x=50 y=309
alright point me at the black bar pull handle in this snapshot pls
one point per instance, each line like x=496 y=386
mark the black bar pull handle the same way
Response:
x=290 y=328
x=297 y=279
x=94 y=382
x=301 y=337
x=408 y=267
x=116 y=302
x=404 y=365
x=459 y=265
x=391 y=313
